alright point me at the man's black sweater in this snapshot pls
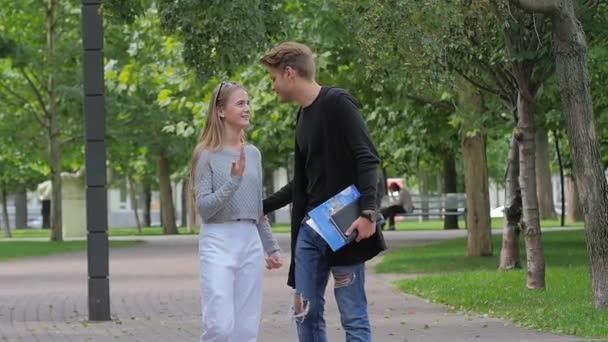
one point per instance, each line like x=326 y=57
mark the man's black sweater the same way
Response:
x=333 y=149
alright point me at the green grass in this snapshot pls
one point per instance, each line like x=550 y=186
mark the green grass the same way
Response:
x=281 y=228
x=413 y=223
x=474 y=284
x=19 y=249
x=410 y=224
x=147 y=231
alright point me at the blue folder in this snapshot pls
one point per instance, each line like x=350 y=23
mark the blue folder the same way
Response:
x=322 y=217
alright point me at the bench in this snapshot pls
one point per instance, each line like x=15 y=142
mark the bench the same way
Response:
x=437 y=205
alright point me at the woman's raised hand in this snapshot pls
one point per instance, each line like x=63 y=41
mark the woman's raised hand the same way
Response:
x=238 y=166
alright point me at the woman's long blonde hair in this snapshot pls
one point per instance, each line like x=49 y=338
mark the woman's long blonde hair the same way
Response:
x=211 y=137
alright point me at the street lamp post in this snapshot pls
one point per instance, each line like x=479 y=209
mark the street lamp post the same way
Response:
x=96 y=194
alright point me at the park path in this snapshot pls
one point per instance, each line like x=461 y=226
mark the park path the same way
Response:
x=155 y=298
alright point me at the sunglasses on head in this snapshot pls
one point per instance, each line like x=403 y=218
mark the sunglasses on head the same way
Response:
x=217 y=96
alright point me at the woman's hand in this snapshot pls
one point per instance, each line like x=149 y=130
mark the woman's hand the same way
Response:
x=238 y=166
x=274 y=260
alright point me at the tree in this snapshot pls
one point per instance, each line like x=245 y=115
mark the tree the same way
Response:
x=17 y=171
x=41 y=73
x=574 y=83
x=155 y=97
x=209 y=31
x=431 y=45
x=527 y=48
x=22 y=154
x=544 y=187
x=509 y=253
x=479 y=237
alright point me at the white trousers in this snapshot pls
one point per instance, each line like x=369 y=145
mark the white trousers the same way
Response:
x=231 y=270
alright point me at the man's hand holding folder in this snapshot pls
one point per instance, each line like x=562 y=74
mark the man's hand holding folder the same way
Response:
x=362 y=228
x=354 y=227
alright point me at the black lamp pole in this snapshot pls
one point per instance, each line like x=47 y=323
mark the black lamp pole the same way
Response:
x=97 y=202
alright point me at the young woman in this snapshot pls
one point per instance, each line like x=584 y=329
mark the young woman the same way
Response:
x=226 y=190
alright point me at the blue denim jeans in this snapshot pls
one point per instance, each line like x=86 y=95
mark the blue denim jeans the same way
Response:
x=311 y=274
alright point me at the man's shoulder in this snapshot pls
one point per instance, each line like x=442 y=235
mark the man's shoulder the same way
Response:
x=336 y=92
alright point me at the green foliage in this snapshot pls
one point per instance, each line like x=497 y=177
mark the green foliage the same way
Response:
x=25 y=68
x=399 y=58
x=8 y=47
x=219 y=36
x=598 y=70
x=120 y=11
x=154 y=101
x=413 y=51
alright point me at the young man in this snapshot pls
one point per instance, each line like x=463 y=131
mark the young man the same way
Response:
x=333 y=150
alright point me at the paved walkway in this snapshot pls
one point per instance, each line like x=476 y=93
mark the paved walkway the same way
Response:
x=155 y=298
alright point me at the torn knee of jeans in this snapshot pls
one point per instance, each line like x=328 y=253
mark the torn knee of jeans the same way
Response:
x=300 y=307
x=343 y=280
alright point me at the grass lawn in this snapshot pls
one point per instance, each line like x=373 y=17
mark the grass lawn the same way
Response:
x=474 y=284
x=413 y=224
x=410 y=224
x=19 y=249
x=147 y=231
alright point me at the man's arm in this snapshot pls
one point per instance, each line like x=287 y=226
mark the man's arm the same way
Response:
x=360 y=143
x=279 y=199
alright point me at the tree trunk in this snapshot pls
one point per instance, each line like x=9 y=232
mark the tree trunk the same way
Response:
x=574 y=85
x=166 y=196
x=479 y=237
x=184 y=211
x=527 y=181
x=385 y=181
x=479 y=242
x=556 y=137
x=544 y=185
x=147 y=204
x=450 y=185
x=438 y=182
x=574 y=213
x=5 y=221
x=21 y=208
x=56 y=198
x=509 y=254
x=423 y=179
x=134 y=202
x=53 y=128
x=193 y=220
x=45 y=211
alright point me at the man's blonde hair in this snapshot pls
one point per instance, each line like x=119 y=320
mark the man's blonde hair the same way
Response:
x=293 y=54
